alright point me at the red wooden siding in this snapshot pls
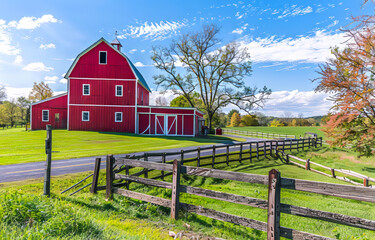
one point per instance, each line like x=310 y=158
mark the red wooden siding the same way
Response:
x=88 y=65
x=102 y=92
x=102 y=119
x=142 y=90
x=54 y=106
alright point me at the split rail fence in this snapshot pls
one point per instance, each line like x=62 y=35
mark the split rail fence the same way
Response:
x=258 y=134
x=273 y=206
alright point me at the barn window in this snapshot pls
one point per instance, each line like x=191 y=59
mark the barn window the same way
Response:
x=102 y=57
x=85 y=116
x=86 y=89
x=118 y=116
x=142 y=98
x=45 y=115
x=119 y=91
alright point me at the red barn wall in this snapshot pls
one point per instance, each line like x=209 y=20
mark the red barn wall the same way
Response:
x=56 y=105
x=146 y=95
x=88 y=65
x=102 y=119
x=102 y=92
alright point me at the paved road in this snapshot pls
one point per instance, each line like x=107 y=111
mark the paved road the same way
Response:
x=24 y=171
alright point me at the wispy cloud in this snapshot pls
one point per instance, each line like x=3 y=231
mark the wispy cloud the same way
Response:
x=153 y=31
x=240 y=29
x=51 y=78
x=32 y=22
x=37 y=67
x=132 y=51
x=312 y=49
x=46 y=46
x=294 y=10
x=6 y=46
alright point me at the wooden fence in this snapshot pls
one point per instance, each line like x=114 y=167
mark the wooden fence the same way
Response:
x=19 y=125
x=275 y=183
x=307 y=164
x=258 y=134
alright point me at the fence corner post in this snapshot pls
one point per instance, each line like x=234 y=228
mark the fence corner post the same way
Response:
x=109 y=177
x=95 y=177
x=175 y=189
x=307 y=166
x=273 y=220
x=47 y=174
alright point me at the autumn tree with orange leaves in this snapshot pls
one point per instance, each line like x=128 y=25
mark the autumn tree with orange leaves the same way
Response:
x=350 y=78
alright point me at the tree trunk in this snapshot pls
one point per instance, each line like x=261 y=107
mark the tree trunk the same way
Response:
x=210 y=116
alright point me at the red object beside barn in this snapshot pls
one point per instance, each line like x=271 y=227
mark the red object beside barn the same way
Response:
x=106 y=92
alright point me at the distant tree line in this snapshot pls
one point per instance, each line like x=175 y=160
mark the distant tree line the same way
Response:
x=17 y=111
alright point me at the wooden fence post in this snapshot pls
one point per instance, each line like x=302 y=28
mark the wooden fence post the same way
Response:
x=95 y=177
x=290 y=145
x=213 y=155
x=175 y=189
x=251 y=152
x=146 y=169
x=307 y=166
x=47 y=174
x=257 y=145
x=309 y=143
x=333 y=173
x=287 y=158
x=227 y=155
x=109 y=177
x=365 y=182
x=240 y=159
x=163 y=161
x=127 y=174
x=273 y=221
x=297 y=145
x=182 y=157
x=198 y=157
x=264 y=148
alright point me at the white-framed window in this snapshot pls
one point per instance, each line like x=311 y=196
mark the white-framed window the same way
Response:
x=85 y=116
x=119 y=90
x=86 y=89
x=102 y=57
x=118 y=116
x=45 y=115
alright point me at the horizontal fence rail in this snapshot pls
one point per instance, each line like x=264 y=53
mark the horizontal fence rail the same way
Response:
x=258 y=134
x=273 y=205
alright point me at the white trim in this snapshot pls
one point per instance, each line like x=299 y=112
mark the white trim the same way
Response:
x=45 y=110
x=136 y=103
x=174 y=121
x=98 y=105
x=67 y=121
x=83 y=89
x=48 y=99
x=166 y=107
x=116 y=116
x=162 y=127
x=182 y=114
x=183 y=125
x=31 y=117
x=109 y=79
x=88 y=120
x=106 y=58
x=194 y=123
x=122 y=90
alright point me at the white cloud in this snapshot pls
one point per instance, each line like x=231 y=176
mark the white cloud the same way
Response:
x=313 y=49
x=50 y=82
x=241 y=29
x=18 y=59
x=37 y=67
x=32 y=22
x=63 y=75
x=46 y=46
x=6 y=46
x=132 y=51
x=63 y=81
x=142 y=51
x=153 y=31
x=333 y=24
x=51 y=78
x=14 y=93
x=295 y=11
x=169 y=95
x=139 y=64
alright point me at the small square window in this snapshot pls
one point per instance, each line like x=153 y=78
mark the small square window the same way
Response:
x=102 y=57
x=118 y=116
x=119 y=91
x=45 y=115
x=86 y=89
x=85 y=116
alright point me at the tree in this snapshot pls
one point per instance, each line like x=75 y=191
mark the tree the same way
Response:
x=235 y=120
x=181 y=101
x=215 y=71
x=10 y=112
x=250 y=120
x=161 y=101
x=349 y=77
x=231 y=113
x=276 y=123
x=40 y=91
x=23 y=105
x=3 y=93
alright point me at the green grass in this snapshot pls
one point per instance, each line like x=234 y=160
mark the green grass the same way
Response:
x=19 y=146
x=298 y=131
x=124 y=218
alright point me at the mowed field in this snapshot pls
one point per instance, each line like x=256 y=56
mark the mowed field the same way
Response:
x=298 y=131
x=19 y=146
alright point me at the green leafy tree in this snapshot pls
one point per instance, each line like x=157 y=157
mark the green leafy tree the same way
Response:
x=276 y=123
x=23 y=105
x=250 y=120
x=214 y=70
x=231 y=113
x=181 y=101
x=235 y=121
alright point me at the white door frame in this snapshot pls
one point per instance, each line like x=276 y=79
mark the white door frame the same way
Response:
x=160 y=124
x=174 y=121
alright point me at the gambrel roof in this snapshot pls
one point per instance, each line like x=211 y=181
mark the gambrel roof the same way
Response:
x=137 y=74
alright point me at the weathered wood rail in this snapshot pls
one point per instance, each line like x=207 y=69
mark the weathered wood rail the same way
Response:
x=258 y=134
x=275 y=183
x=307 y=164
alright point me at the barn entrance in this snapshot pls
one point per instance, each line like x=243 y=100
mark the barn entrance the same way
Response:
x=166 y=125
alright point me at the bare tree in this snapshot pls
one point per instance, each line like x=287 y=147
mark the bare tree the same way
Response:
x=215 y=72
x=3 y=93
x=161 y=101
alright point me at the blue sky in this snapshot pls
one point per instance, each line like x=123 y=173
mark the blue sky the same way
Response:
x=287 y=40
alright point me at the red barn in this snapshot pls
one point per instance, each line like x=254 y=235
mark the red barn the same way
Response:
x=107 y=93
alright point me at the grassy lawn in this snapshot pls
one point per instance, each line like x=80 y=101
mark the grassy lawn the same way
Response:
x=282 y=130
x=19 y=146
x=124 y=218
